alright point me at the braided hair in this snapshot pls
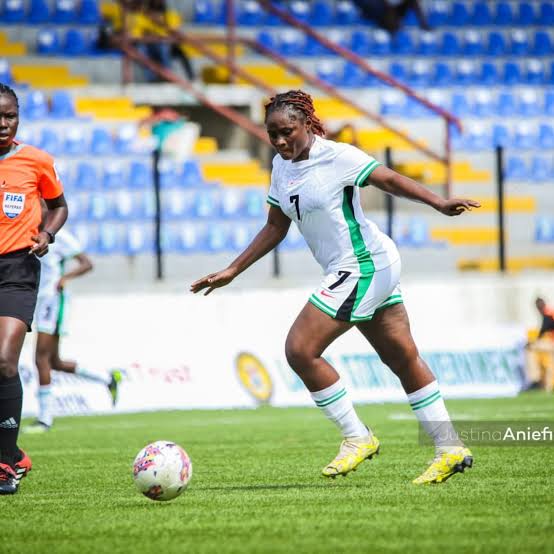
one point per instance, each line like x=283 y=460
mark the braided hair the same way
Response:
x=5 y=89
x=297 y=101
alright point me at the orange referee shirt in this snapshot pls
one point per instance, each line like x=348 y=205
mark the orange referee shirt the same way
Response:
x=26 y=175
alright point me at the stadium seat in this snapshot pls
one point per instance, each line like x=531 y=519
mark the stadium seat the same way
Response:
x=322 y=13
x=101 y=143
x=217 y=237
x=460 y=105
x=191 y=174
x=478 y=137
x=524 y=138
x=26 y=135
x=535 y=72
x=140 y=175
x=529 y=104
x=125 y=139
x=232 y=203
x=5 y=72
x=241 y=234
x=512 y=74
x=418 y=233
x=519 y=43
x=75 y=143
x=489 y=74
x=35 y=106
x=301 y=10
x=398 y=71
x=381 y=44
x=110 y=239
x=526 y=14
x=496 y=44
x=206 y=204
x=354 y=76
x=402 y=43
x=65 y=173
x=501 y=136
x=546 y=15
x=541 y=170
x=61 y=105
x=13 y=12
x=481 y=15
x=393 y=103
x=294 y=239
x=138 y=239
x=473 y=45
x=65 y=11
x=428 y=44
x=450 y=45
x=125 y=206
x=114 y=176
x=48 y=42
x=546 y=136
x=542 y=44
x=313 y=47
x=291 y=43
x=465 y=73
x=189 y=238
x=515 y=169
x=420 y=74
x=267 y=39
x=89 y=12
x=206 y=12
x=251 y=14
x=177 y=203
x=438 y=15
x=87 y=177
x=76 y=43
x=360 y=43
x=442 y=75
x=550 y=78
x=49 y=141
x=169 y=174
x=459 y=15
x=255 y=203
x=544 y=229
x=39 y=12
x=503 y=14
x=346 y=13
x=99 y=207
x=549 y=102
x=484 y=105
x=328 y=72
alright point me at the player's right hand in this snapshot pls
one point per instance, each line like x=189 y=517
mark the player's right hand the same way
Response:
x=213 y=281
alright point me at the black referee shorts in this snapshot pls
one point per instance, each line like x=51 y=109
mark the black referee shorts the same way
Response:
x=19 y=281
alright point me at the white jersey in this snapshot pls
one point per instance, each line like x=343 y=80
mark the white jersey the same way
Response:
x=52 y=265
x=321 y=195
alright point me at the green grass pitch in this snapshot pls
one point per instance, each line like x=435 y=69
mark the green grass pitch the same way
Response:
x=256 y=487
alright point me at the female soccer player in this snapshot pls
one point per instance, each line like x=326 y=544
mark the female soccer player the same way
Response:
x=315 y=183
x=26 y=175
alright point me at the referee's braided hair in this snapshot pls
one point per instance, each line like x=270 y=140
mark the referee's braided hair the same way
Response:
x=298 y=101
x=5 y=89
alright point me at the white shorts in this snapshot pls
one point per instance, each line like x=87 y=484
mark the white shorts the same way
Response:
x=50 y=314
x=350 y=297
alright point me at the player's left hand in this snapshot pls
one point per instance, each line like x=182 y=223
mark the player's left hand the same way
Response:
x=42 y=241
x=457 y=206
x=213 y=281
x=61 y=284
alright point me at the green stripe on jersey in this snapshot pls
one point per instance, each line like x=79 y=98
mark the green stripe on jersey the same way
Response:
x=273 y=201
x=365 y=173
x=331 y=399
x=426 y=401
x=322 y=306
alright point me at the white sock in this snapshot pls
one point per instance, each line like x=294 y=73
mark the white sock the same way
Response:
x=92 y=376
x=429 y=408
x=45 y=404
x=337 y=406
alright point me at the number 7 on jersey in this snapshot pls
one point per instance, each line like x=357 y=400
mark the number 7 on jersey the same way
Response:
x=295 y=199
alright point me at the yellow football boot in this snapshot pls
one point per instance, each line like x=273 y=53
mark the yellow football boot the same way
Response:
x=353 y=451
x=444 y=465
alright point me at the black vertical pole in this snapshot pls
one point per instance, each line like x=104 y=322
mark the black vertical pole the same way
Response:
x=158 y=214
x=389 y=199
x=500 y=200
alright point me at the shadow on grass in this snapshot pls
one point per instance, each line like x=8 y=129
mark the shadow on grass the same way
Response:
x=324 y=485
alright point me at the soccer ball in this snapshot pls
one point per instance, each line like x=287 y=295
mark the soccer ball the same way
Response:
x=162 y=470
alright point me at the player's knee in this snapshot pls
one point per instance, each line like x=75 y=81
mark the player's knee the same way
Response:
x=8 y=367
x=400 y=360
x=297 y=356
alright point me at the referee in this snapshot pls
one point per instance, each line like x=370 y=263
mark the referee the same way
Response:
x=27 y=174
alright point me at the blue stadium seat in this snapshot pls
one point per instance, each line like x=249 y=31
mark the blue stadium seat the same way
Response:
x=267 y=39
x=49 y=141
x=206 y=12
x=110 y=239
x=381 y=45
x=506 y=105
x=489 y=74
x=89 y=12
x=125 y=139
x=346 y=13
x=217 y=237
x=550 y=79
x=232 y=203
x=473 y=44
x=26 y=135
x=402 y=43
x=35 y=106
x=526 y=14
x=503 y=14
x=544 y=229
x=39 y=12
x=450 y=45
x=114 y=176
x=418 y=233
x=177 y=203
x=515 y=169
x=535 y=72
x=251 y=14
x=546 y=15
x=65 y=173
x=101 y=143
x=75 y=143
x=360 y=43
x=410 y=19
x=138 y=239
x=5 y=72
x=442 y=75
x=328 y=72
x=420 y=74
x=496 y=44
x=481 y=15
x=460 y=105
x=398 y=71
x=322 y=13
x=191 y=174
x=529 y=105
x=61 y=105
x=466 y=73
x=99 y=207
x=313 y=47
x=512 y=74
x=393 y=103
x=542 y=44
x=524 y=137
x=484 y=105
x=541 y=169
x=169 y=174
x=189 y=238
x=519 y=43
x=140 y=175
x=254 y=203
x=501 y=136
x=207 y=204
x=459 y=15
x=125 y=206
x=291 y=43
x=241 y=234
x=14 y=11
x=354 y=76
x=65 y=11
x=301 y=10
x=549 y=102
x=546 y=136
x=438 y=14
x=48 y=42
x=294 y=239
x=87 y=177
x=428 y=44
x=76 y=43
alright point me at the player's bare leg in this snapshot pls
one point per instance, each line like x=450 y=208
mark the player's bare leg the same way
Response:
x=312 y=332
x=389 y=333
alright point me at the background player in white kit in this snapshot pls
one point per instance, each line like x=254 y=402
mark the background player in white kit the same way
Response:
x=315 y=183
x=50 y=317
